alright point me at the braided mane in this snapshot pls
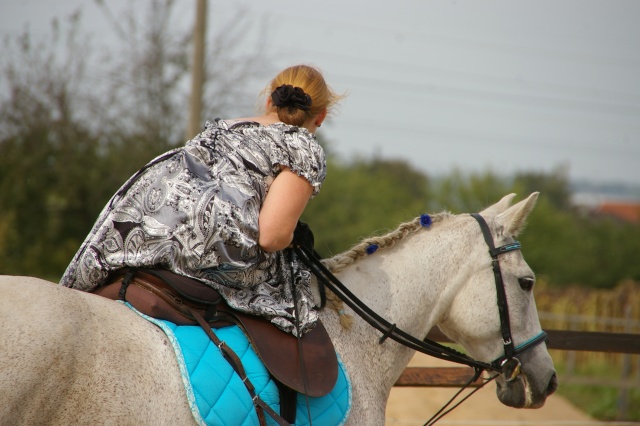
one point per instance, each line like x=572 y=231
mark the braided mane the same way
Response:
x=340 y=261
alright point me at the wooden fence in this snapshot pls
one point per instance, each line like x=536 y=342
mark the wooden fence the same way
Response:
x=585 y=325
x=558 y=339
x=573 y=341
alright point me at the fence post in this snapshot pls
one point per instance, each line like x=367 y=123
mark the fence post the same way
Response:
x=574 y=325
x=623 y=392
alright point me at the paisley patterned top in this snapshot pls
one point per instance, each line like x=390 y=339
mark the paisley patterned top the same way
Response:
x=194 y=210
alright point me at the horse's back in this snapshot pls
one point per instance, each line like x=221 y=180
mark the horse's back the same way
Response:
x=72 y=357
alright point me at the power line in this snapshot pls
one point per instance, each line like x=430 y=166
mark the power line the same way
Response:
x=416 y=89
x=467 y=76
x=553 y=94
x=422 y=131
x=358 y=27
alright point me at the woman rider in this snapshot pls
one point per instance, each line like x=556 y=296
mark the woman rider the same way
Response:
x=223 y=208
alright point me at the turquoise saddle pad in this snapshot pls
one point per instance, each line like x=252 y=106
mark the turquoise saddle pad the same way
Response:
x=218 y=397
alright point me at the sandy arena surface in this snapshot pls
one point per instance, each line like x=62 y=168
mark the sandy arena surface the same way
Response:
x=414 y=406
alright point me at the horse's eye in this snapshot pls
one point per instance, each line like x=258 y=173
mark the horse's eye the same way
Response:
x=526 y=283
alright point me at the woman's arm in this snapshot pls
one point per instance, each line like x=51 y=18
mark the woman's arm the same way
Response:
x=285 y=202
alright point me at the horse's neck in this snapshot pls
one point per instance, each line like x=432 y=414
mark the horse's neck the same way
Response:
x=409 y=285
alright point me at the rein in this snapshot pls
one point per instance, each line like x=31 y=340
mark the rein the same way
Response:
x=389 y=330
x=507 y=365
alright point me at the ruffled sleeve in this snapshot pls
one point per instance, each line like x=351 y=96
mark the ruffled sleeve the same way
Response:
x=298 y=149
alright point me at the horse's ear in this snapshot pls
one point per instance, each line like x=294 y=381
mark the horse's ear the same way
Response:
x=498 y=207
x=514 y=219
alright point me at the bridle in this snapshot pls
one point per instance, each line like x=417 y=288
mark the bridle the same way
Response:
x=508 y=364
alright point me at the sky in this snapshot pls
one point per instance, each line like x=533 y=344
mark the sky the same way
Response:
x=503 y=86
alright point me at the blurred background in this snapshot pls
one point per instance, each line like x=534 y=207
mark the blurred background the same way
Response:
x=450 y=105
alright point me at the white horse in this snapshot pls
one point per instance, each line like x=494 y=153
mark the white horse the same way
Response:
x=68 y=357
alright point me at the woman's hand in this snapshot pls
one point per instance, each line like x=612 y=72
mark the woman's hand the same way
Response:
x=285 y=202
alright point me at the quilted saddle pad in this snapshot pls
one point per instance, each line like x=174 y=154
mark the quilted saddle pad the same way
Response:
x=218 y=397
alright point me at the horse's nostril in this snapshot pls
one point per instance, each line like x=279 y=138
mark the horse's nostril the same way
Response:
x=553 y=384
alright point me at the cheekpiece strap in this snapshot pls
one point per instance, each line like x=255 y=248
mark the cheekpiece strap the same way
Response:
x=503 y=309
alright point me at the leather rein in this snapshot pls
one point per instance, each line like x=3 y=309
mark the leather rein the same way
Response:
x=508 y=364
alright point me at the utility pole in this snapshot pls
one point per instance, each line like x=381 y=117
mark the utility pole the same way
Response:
x=197 y=70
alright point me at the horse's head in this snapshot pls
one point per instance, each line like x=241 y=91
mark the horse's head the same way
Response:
x=473 y=317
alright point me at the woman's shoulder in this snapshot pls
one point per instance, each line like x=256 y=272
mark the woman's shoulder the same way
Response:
x=285 y=145
x=276 y=130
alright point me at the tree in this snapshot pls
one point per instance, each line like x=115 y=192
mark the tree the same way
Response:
x=464 y=193
x=149 y=90
x=69 y=138
x=44 y=146
x=362 y=197
x=555 y=186
x=563 y=247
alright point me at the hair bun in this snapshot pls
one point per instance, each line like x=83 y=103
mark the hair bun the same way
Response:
x=292 y=97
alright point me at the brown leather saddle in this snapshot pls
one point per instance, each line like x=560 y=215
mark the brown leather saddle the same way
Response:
x=307 y=365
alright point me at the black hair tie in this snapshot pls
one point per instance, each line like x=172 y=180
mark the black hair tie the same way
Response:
x=292 y=97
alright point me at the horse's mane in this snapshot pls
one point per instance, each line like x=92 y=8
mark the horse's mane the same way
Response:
x=340 y=261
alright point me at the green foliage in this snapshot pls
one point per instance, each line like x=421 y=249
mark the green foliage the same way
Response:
x=59 y=164
x=563 y=246
x=67 y=143
x=550 y=231
x=600 y=402
x=55 y=176
x=555 y=186
x=33 y=192
x=361 y=198
x=568 y=248
x=460 y=193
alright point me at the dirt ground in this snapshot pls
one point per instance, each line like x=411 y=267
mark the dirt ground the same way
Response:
x=414 y=406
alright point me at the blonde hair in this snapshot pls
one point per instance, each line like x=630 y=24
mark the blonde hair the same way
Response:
x=311 y=81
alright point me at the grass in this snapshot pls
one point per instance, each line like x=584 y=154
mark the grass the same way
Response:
x=600 y=402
